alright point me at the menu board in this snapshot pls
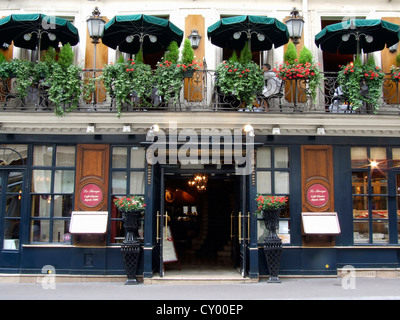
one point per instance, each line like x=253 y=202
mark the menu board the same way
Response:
x=88 y=222
x=320 y=223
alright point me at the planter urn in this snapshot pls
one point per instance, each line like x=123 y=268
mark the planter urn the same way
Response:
x=130 y=248
x=272 y=244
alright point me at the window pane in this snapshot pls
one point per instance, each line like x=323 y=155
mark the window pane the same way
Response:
x=398 y=231
x=119 y=157
x=263 y=182
x=138 y=157
x=41 y=205
x=361 y=232
x=65 y=156
x=360 y=182
x=62 y=206
x=14 y=183
x=379 y=182
x=379 y=207
x=42 y=155
x=264 y=158
x=13 y=206
x=396 y=157
x=380 y=231
x=360 y=207
x=12 y=154
x=282 y=182
x=64 y=181
x=40 y=231
x=137 y=183
x=379 y=155
x=281 y=157
x=119 y=182
x=359 y=157
x=41 y=181
x=11 y=234
x=60 y=227
x=117 y=231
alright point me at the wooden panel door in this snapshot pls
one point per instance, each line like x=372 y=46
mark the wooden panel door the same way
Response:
x=92 y=177
x=317 y=178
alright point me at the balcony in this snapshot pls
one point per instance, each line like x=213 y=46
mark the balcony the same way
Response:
x=200 y=94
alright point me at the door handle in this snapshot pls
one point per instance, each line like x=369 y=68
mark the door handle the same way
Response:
x=248 y=226
x=158 y=225
x=166 y=225
x=240 y=226
x=231 y=225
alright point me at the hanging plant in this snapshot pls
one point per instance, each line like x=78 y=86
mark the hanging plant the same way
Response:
x=361 y=84
x=243 y=81
x=169 y=79
x=123 y=80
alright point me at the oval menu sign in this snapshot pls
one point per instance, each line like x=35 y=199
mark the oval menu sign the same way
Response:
x=91 y=195
x=317 y=195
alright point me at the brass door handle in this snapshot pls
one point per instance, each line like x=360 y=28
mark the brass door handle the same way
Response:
x=158 y=225
x=166 y=225
x=240 y=226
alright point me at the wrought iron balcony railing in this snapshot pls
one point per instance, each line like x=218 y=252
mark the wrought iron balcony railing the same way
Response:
x=201 y=94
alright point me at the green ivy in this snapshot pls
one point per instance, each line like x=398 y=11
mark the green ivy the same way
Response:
x=169 y=79
x=243 y=81
x=353 y=76
x=125 y=78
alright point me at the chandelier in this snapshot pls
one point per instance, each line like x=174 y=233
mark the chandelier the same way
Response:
x=199 y=181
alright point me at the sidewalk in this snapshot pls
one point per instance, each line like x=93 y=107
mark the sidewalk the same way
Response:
x=288 y=289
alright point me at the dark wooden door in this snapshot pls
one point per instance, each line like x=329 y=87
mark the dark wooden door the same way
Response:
x=92 y=170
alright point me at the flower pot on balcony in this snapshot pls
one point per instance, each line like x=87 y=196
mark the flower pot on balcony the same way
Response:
x=188 y=74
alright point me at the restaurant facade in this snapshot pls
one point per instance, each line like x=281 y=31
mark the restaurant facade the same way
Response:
x=339 y=171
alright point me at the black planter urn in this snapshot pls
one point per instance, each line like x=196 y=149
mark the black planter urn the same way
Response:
x=130 y=248
x=272 y=244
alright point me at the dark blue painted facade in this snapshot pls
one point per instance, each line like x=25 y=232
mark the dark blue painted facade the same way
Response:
x=296 y=259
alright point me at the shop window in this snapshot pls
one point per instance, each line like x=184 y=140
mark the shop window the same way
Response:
x=370 y=195
x=52 y=189
x=273 y=177
x=128 y=178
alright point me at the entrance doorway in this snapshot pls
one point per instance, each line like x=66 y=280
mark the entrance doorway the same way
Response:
x=202 y=223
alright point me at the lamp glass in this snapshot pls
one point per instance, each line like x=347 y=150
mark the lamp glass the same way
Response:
x=295 y=27
x=95 y=27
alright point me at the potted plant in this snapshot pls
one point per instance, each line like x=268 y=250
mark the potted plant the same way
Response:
x=64 y=82
x=169 y=80
x=361 y=84
x=308 y=72
x=242 y=79
x=169 y=74
x=128 y=80
x=132 y=208
x=395 y=74
x=188 y=62
x=270 y=206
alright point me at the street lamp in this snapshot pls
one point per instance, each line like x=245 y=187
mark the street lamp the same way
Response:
x=194 y=38
x=96 y=28
x=295 y=26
